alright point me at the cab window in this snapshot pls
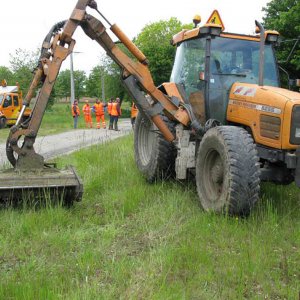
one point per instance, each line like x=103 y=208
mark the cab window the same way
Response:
x=16 y=100
x=189 y=62
x=7 y=101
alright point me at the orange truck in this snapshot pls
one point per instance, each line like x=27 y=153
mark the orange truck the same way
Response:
x=10 y=104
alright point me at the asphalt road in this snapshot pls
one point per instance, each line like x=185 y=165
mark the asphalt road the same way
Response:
x=64 y=143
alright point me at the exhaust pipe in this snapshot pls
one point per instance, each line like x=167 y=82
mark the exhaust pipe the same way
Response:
x=261 y=54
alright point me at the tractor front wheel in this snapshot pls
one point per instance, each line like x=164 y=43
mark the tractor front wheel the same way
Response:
x=227 y=171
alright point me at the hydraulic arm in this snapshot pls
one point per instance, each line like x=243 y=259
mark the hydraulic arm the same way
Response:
x=136 y=76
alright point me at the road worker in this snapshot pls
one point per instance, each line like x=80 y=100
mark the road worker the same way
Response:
x=115 y=114
x=99 y=111
x=133 y=114
x=109 y=105
x=75 y=112
x=87 y=112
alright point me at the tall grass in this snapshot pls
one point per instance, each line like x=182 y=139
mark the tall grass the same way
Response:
x=131 y=240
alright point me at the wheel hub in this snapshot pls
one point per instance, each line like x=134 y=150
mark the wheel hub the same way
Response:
x=214 y=170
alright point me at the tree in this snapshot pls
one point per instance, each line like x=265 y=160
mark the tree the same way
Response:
x=80 y=83
x=113 y=84
x=63 y=84
x=284 y=16
x=93 y=83
x=111 y=73
x=22 y=64
x=7 y=74
x=23 y=58
x=154 y=41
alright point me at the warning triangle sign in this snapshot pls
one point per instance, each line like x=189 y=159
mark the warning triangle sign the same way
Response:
x=215 y=19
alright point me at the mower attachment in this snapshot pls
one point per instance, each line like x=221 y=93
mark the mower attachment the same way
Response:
x=40 y=186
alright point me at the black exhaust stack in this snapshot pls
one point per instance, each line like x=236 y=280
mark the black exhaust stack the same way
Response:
x=261 y=54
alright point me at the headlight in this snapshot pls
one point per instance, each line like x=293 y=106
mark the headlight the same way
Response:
x=272 y=38
x=295 y=126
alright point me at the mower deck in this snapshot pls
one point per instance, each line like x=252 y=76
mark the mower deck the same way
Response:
x=47 y=184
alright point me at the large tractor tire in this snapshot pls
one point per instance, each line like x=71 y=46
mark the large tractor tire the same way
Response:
x=227 y=171
x=154 y=156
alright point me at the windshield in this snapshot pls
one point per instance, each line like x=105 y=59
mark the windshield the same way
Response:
x=235 y=59
x=240 y=58
x=1 y=99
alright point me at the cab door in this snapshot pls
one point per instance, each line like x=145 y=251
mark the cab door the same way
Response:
x=189 y=64
x=8 y=108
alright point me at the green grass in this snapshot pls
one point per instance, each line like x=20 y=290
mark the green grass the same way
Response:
x=131 y=240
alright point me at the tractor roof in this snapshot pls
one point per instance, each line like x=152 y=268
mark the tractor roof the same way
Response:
x=186 y=34
x=214 y=26
x=9 y=89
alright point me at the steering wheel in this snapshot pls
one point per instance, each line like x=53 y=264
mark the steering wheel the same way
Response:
x=238 y=70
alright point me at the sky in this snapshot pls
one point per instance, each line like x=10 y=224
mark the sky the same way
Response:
x=25 y=23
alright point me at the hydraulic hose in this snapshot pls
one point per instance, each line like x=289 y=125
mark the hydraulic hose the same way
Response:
x=54 y=29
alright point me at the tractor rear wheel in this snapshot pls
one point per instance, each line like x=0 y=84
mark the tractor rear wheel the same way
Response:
x=227 y=171
x=154 y=156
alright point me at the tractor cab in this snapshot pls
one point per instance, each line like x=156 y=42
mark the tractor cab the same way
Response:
x=208 y=62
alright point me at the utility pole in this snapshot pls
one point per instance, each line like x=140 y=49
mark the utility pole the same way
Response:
x=72 y=98
x=103 y=87
x=72 y=79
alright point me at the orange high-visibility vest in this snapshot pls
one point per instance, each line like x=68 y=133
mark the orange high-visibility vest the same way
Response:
x=134 y=111
x=86 y=109
x=114 y=109
x=99 y=109
x=75 y=110
x=109 y=105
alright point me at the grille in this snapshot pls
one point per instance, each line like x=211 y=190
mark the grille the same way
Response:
x=270 y=127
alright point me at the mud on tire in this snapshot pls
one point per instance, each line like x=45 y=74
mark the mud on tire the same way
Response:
x=154 y=156
x=227 y=171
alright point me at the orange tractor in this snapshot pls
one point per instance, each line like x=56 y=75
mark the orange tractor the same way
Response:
x=222 y=117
